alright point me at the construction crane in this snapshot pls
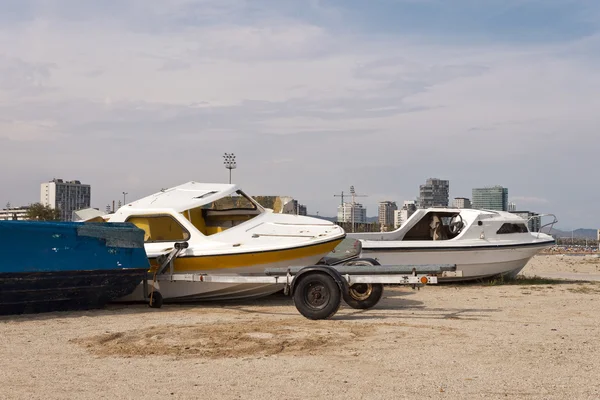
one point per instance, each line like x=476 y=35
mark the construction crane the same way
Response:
x=340 y=195
x=354 y=196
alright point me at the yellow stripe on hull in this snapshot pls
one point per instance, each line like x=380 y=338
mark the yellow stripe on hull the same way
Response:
x=228 y=261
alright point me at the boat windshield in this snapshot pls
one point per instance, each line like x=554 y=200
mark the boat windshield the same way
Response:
x=222 y=214
x=234 y=201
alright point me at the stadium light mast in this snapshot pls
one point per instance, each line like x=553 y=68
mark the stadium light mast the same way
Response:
x=229 y=163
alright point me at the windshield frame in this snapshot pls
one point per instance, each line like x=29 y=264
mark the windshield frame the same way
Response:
x=257 y=206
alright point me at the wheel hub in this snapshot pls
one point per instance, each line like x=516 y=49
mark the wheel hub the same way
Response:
x=361 y=291
x=317 y=296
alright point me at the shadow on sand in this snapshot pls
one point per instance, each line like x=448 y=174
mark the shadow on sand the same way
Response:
x=394 y=304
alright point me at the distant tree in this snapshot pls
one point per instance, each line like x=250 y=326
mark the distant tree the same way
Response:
x=8 y=205
x=40 y=212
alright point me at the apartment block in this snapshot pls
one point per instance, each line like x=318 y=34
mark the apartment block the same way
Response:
x=434 y=193
x=461 y=202
x=67 y=196
x=386 y=213
x=346 y=212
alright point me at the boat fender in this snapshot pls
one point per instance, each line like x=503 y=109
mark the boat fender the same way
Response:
x=337 y=277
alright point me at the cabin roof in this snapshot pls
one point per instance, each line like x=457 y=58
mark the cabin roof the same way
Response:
x=184 y=197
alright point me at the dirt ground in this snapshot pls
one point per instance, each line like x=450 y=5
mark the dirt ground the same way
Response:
x=524 y=341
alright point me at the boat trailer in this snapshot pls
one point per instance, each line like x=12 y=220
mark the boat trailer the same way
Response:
x=317 y=290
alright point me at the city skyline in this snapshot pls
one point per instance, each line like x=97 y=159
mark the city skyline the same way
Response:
x=303 y=207
x=311 y=97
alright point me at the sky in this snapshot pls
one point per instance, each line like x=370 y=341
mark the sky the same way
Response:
x=312 y=96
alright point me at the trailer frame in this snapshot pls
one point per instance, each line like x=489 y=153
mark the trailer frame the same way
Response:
x=317 y=290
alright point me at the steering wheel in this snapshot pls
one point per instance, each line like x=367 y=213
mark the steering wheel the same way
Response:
x=456 y=224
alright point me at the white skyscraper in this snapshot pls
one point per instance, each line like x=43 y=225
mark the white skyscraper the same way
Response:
x=402 y=215
x=346 y=210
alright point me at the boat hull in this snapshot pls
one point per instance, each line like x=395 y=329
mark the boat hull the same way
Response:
x=64 y=290
x=471 y=262
x=48 y=266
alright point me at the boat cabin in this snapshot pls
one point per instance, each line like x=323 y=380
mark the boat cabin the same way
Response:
x=447 y=223
x=209 y=209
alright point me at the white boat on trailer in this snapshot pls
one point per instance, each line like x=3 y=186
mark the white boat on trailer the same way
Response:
x=481 y=243
x=228 y=233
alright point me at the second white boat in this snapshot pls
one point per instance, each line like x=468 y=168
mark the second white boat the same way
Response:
x=482 y=243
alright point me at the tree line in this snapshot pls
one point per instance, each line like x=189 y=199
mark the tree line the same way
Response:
x=41 y=212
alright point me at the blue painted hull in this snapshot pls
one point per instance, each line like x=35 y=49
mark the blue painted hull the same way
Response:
x=47 y=266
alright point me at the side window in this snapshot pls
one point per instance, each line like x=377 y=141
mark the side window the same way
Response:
x=162 y=228
x=512 y=228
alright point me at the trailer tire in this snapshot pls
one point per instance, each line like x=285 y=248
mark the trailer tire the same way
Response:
x=364 y=295
x=317 y=296
x=155 y=300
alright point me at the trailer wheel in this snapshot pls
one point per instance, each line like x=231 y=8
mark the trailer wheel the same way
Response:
x=317 y=296
x=156 y=300
x=364 y=295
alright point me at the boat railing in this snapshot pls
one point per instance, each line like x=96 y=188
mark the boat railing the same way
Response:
x=550 y=224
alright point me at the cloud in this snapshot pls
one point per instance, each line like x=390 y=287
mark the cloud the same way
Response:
x=529 y=200
x=134 y=96
x=28 y=131
x=23 y=79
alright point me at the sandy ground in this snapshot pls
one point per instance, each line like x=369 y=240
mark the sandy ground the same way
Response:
x=488 y=341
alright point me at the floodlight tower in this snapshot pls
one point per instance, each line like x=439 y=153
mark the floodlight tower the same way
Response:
x=229 y=163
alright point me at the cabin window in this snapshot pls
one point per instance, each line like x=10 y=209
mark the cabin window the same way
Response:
x=432 y=226
x=160 y=228
x=512 y=228
x=235 y=201
x=222 y=214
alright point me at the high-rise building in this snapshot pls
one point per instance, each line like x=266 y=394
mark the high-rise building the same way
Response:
x=346 y=210
x=491 y=198
x=434 y=193
x=67 y=196
x=462 y=202
x=512 y=206
x=401 y=216
x=386 y=213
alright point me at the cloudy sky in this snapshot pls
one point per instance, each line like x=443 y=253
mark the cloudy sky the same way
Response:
x=311 y=96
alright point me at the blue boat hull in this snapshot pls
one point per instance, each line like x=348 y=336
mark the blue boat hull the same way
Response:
x=48 y=266
x=59 y=291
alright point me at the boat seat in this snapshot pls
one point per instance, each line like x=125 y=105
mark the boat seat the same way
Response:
x=197 y=217
x=211 y=230
x=437 y=229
